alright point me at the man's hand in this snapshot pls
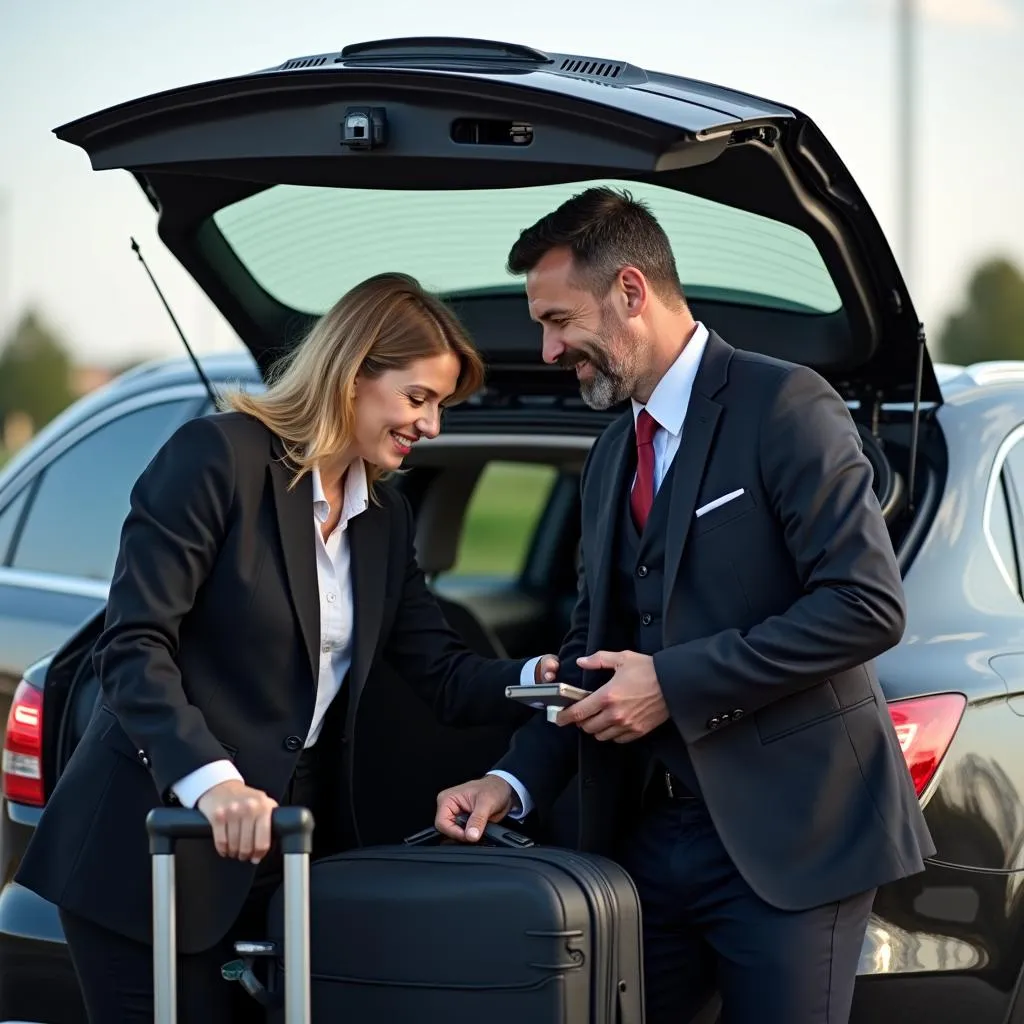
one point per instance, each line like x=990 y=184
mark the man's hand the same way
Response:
x=240 y=816
x=628 y=706
x=486 y=799
x=546 y=670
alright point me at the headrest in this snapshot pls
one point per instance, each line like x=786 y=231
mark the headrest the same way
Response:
x=441 y=513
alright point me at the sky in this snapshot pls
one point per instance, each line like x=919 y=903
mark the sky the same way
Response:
x=65 y=229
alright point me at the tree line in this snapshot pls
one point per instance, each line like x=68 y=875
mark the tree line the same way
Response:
x=990 y=323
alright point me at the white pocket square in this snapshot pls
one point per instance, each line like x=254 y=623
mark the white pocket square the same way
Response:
x=731 y=496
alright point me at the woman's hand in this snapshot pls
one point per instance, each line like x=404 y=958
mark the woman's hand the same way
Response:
x=240 y=816
x=547 y=669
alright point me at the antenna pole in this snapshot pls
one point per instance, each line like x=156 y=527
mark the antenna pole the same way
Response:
x=174 y=320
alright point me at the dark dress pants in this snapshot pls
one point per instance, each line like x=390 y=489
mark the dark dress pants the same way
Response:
x=706 y=930
x=116 y=973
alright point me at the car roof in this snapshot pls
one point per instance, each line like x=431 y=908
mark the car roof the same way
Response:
x=955 y=379
x=221 y=367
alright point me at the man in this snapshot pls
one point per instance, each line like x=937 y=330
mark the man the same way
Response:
x=736 y=581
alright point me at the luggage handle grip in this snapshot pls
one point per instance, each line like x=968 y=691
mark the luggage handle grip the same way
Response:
x=166 y=825
x=494 y=835
x=294 y=827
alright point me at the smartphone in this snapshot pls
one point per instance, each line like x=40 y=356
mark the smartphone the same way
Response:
x=559 y=695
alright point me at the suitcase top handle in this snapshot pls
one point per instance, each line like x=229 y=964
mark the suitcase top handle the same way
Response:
x=494 y=835
x=166 y=825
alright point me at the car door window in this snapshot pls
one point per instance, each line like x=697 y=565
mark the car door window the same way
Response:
x=1001 y=532
x=1013 y=480
x=9 y=518
x=1015 y=464
x=74 y=527
x=501 y=519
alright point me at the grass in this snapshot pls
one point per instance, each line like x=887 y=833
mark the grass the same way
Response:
x=502 y=516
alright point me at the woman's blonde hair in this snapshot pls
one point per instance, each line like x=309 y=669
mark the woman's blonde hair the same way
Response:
x=384 y=323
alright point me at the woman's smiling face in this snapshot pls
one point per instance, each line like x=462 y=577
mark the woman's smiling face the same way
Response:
x=394 y=410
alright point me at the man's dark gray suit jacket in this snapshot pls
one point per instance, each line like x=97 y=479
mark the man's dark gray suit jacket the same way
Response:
x=774 y=605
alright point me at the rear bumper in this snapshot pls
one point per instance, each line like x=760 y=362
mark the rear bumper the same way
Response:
x=37 y=981
x=901 y=999
x=942 y=946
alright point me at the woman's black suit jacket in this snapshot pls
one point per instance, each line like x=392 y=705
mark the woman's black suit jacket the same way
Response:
x=211 y=649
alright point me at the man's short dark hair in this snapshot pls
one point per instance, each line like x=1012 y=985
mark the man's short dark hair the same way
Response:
x=605 y=230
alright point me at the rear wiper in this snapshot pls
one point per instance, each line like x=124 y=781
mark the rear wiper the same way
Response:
x=174 y=320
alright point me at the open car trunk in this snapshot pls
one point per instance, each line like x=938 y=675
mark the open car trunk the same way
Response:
x=281 y=189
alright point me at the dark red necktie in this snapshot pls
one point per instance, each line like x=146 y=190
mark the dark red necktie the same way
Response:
x=642 y=496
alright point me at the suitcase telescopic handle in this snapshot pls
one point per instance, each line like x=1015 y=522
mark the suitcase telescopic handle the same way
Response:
x=166 y=825
x=293 y=826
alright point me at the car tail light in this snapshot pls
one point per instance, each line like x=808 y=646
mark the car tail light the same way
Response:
x=23 y=748
x=925 y=727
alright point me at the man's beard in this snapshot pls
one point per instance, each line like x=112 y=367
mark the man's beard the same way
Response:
x=610 y=383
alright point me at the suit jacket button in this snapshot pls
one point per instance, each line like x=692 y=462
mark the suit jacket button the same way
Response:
x=293 y=743
x=713 y=723
x=645 y=619
x=641 y=570
x=143 y=758
x=738 y=713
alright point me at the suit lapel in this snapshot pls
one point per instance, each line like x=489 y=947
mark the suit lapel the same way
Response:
x=368 y=547
x=614 y=481
x=295 y=525
x=691 y=459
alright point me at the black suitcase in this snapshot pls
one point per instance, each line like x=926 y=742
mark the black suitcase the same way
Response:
x=501 y=933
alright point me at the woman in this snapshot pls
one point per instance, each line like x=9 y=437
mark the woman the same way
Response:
x=264 y=568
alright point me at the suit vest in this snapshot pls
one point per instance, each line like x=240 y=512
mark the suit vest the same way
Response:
x=635 y=615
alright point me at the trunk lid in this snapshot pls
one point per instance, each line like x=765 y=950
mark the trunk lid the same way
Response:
x=280 y=189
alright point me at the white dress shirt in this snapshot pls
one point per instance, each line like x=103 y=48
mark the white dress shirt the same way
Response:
x=668 y=404
x=334 y=583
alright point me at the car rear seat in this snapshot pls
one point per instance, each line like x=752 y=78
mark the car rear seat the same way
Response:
x=438 y=529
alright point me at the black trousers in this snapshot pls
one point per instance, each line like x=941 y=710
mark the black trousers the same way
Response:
x=706 y=930
x=116 y=973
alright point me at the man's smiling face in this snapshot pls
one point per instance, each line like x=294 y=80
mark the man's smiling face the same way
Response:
x=583 y=331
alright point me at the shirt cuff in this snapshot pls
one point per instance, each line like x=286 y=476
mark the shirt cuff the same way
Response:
x=189 y=789
x=522 y=795
x=528 y=676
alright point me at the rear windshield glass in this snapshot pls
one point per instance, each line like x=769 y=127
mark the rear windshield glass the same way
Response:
x=307 y=245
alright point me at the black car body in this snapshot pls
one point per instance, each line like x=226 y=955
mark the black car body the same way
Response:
x=279 y=190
